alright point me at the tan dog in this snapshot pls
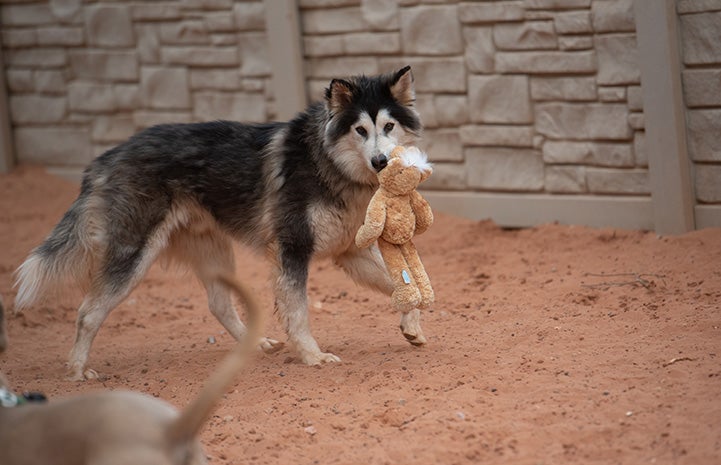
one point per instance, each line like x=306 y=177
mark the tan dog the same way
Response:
x=121 y=427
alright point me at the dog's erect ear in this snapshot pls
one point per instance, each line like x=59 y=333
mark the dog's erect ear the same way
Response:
x=339 y=95
x=402 y=87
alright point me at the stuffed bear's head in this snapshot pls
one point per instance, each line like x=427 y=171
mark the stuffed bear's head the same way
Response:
x=407 y=167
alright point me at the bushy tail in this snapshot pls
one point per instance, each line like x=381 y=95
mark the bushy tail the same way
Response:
x=194 y=416
x=63 y=257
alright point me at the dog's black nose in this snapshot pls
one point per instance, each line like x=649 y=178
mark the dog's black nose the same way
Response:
x=379 y=162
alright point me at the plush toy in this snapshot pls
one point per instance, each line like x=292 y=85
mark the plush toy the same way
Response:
x=395 y=214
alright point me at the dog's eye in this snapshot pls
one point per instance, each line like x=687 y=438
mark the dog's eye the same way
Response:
x=362 y=131
x=388 y=127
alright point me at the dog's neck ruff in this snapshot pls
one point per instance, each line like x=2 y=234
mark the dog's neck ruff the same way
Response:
x=8 y=399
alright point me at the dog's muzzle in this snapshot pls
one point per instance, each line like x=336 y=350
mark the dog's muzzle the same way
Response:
x=379 y=162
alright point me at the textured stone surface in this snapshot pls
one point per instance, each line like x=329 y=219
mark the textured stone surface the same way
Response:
x=573 y=22
x=66 y=11
x=26 y=15
x=702 y=87
x=220 y=79
x=199 y=56
x=583 y=121
x=610 y=181
x=230 y=106
x=556 y=4
x=18 y=38
x=112 y=128
x=504 y=169
x=329 y=68
x=592 y=153
x=104 y=65
x=571 y=43
x=613 y=16
x=53 y=146
x=339 y=20
x=442 y=145
x=368 y=43
x=36 y=57
x=253 y=50
x=639 y=148
x=147 y=118
x=490 y=12
x=479 y=49
x=563 y=88
x=704 y=135
x=708 y=183
x=185 y=33
x=701 y=38
x=447 y=176
x=546 y=62
x=249 y=16
x=89 y=97
x=431 y=30
x=109 y=26
x=433 y=74
x=634 y=96
x=697 y=6
x=497 y=135
x=37 y=109
x=54 y=36
x=529 y=35
x=20 y=80
x=612 y=94
x=451 y=110
x=636 y=120
x=617 y=59
x=164 y=87
x=380 y=14
x=499 y=99
x=565 y=179
x=155 y=11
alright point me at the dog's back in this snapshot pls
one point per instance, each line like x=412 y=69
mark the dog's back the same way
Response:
x=122 y=427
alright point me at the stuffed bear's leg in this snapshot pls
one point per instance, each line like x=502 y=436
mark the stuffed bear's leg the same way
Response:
x=410 y=254
x=406 y=295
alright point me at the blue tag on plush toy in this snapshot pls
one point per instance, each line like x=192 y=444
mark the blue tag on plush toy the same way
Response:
x=406 y=278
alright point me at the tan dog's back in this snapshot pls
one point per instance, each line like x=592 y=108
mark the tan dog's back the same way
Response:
x=121 y=427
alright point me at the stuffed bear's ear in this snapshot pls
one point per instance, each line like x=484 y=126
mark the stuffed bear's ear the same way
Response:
x=402 y=87
x=338 y=95
x=426 y=173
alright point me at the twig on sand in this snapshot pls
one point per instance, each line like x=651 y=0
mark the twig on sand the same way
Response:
x=638 y=279
x=679 y=359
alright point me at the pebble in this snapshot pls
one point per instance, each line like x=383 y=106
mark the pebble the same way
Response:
x=310 y=430
x=211 y=340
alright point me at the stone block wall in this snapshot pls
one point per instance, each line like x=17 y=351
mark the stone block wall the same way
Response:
x=85 y=75
x=700 y=25
x=528 y=96
x=535 y=101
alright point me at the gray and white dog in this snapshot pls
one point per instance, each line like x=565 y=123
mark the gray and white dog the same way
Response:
x=294 y=190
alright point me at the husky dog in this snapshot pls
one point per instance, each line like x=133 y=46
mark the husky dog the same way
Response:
x=294 y=190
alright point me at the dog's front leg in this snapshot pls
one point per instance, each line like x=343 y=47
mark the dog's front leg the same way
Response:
x=291 y=302
x=366 y=267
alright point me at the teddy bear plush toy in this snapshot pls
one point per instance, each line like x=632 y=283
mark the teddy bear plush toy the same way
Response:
x=395 y=214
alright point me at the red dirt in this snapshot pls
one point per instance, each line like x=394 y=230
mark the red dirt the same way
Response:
x=530 y=360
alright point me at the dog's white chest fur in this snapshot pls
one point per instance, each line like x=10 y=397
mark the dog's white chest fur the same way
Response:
x=335 y=228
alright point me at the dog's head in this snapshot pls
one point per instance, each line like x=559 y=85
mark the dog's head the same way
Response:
x=369 y=116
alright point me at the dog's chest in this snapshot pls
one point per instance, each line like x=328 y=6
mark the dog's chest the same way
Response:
x=334 y=228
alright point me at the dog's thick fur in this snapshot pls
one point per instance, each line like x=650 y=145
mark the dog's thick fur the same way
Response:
x=121 y=427
x=294 y=190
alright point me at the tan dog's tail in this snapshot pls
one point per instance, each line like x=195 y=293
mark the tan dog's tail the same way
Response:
x=195 y=415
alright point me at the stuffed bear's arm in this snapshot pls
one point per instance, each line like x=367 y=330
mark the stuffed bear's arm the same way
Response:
x=374 y=223
x=423 y=212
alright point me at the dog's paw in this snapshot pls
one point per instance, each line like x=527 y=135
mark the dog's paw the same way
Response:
x=270 y=346
x=319 y=358
x=81 y=374
x=411 y=328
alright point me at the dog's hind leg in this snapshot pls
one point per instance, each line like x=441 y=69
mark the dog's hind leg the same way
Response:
x=123 y=270
x=366 y=267
x=210 y=254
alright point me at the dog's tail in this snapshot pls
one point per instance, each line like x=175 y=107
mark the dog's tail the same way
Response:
x=64 y=256
x=195 y=415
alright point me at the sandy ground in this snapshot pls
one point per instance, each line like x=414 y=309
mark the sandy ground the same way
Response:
x=533 y=358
